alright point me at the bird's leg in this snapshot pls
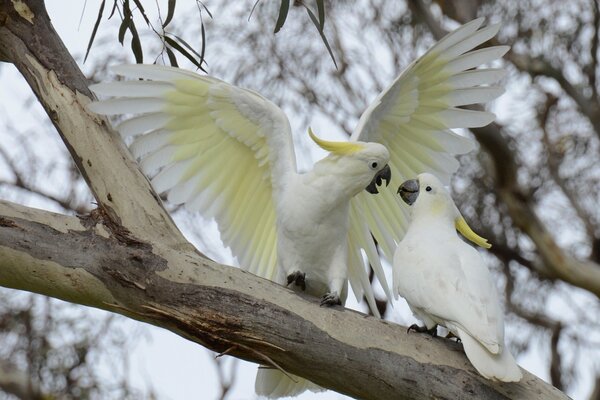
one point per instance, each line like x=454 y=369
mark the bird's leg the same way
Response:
x=423 y=329
x=335 y=287
x=331 y=299
x=451 y=335
x=298 y=278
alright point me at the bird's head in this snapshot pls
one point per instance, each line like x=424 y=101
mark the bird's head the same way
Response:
x=361 y=165
x=428 y=196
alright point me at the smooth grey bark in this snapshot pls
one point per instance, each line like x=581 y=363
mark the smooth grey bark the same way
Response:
x=128 y=257
x=229 y=310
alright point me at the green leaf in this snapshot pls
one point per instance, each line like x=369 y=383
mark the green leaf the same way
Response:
x=315 y=21
x=321 y=12
x=93 y=36
x=174 y=44
x=136 y=44
x=283 y=12
x=126 y=21
x=172 y=58
x=190 y=48
x=203 y=49
x=123 y=29
x=114 y=8
x=252 y=11
x=170 y=12
x=142 y=11
x=205 y=8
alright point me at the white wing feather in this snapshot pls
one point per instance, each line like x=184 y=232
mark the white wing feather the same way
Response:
x=451 y=284
x=413 y=118
x=211 y=146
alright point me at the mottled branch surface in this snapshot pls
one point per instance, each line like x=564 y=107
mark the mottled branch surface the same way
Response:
x=128 y=257
x=228 y=310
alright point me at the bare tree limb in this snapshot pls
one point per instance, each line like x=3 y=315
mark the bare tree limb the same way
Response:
x=225 y=308
x=99 y=153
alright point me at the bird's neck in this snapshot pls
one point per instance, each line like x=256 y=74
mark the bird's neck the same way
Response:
x=332 y=190
x=441 y=218
x=339 y=184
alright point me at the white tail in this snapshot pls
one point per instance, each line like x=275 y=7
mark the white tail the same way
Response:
x=497 y=367
x=273 y=384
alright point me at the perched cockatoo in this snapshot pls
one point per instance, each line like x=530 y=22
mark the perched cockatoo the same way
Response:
x=445 y=281
x=227 y=152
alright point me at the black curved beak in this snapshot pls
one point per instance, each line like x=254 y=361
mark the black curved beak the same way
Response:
x=409 y=191
x=384 y=173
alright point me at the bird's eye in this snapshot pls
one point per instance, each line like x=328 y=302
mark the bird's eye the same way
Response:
x=428 y=188
x=374 y=165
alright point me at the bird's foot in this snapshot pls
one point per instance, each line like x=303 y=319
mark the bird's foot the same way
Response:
x=451 y=335
x=298 y=278
x=423 y=329
x=331 y=299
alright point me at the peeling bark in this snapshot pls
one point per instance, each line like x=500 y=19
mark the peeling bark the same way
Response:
x=229 y=310
x=99 y=153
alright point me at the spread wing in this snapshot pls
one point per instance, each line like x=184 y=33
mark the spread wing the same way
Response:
x=413 y=117
x=211 y=146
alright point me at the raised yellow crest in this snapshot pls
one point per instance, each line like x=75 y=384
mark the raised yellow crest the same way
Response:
x=338 y=148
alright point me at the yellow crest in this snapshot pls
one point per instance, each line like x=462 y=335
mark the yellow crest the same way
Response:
x=338 y=148
x=466 y=231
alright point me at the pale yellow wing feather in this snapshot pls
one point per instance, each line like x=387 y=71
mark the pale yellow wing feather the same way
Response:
x=210 y=146
x=413 y=118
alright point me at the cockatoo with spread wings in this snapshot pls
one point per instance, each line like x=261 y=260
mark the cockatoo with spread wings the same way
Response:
x=227 y=152
x=450 y=286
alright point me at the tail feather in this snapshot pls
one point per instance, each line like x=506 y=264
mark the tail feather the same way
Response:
x=497 y=367
x=274 y=384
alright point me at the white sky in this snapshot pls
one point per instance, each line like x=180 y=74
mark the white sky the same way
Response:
x=173 y=366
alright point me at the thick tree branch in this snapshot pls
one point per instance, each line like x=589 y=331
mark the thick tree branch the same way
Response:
x=99 y=153
x=227 y=309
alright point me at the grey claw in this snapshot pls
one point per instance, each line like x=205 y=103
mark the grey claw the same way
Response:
x=423 y=329
x=298 y=278
x=331 y=299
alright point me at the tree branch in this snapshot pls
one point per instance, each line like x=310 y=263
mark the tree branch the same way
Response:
x=99 y=153
x=225 y=308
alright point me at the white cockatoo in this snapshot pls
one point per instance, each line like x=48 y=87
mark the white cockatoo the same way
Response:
x=228 y=152
x=445 y=281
